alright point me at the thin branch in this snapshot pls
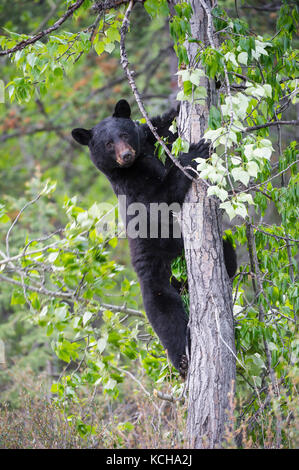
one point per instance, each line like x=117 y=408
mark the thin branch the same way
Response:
x=10 y=259
x=17 y=218
x=278 y=237
x=271 y=178
x=168 y=397
x=70 y=296
x=129 y=74
x=124 y=371
x=99 y=7
x=270 y=7
x=273 y=123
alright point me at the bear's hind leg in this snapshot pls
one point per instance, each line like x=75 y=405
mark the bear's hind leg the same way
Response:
x=165 y=311
x=230 y=258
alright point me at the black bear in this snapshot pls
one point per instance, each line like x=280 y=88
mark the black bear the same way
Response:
x=125 y=152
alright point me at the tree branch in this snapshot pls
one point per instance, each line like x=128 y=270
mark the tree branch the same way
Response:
x=29 y=203
x=271 y=178
x=270 y=7
x=21 y=45
x=270 y=124
x=103 y=6
x=30 y=131
x=68 y=296
x=278 y=237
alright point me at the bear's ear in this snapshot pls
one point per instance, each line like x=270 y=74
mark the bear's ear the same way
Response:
x=82 y=136
x=122 y=110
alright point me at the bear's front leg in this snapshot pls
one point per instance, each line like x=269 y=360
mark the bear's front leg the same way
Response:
x=162 y=123
x=199 y=150
x=175 y=182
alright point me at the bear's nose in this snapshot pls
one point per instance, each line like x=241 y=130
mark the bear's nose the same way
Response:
x=126 y=156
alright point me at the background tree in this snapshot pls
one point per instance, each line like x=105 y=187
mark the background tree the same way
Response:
x=48 y=75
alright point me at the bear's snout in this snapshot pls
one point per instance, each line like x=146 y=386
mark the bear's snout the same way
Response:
x=125 y=154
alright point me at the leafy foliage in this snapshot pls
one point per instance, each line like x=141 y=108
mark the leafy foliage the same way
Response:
x=73 y=304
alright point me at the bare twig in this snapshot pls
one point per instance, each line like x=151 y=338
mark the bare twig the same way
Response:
x=29 y=203
x=169 y=397
x=124 y=371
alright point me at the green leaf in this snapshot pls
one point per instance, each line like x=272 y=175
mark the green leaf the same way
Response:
x=113 y=34
x=4 y=219
x=243 y=58
x=109 y=47
x=54 y=388
x=17 y=298
x=102 y=343
x=214 y=118
x=241 y=210
x=228 y=208
x=60 y=313
x=252 y=168
x=196 y=75
x=99 y=47
x=58 y=72
x=86 y=317
x=53 y=256
x=113 y=242
x=221 y=193
x=180 y=145
x=240 y=175
x=110 y=384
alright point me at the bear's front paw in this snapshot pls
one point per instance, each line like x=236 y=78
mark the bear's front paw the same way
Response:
x=183 y=367
x=173 y=113
x=201 y=149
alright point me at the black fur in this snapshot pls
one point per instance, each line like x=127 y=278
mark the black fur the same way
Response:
x=145 y=179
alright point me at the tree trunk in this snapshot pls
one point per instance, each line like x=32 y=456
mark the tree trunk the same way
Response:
x=212 y=363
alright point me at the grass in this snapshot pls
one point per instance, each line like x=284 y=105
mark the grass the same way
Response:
x=137 y=421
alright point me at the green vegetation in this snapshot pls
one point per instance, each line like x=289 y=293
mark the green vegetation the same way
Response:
x=80 y=356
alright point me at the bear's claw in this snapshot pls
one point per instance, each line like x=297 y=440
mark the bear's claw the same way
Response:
x=183 y=367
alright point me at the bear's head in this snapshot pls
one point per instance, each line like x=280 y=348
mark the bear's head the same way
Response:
x=114 y=142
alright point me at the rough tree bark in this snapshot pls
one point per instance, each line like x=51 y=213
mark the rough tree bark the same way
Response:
x=212 y=364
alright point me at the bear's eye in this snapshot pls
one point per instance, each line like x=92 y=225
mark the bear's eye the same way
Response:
x=109 y=145
x=124 y=135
